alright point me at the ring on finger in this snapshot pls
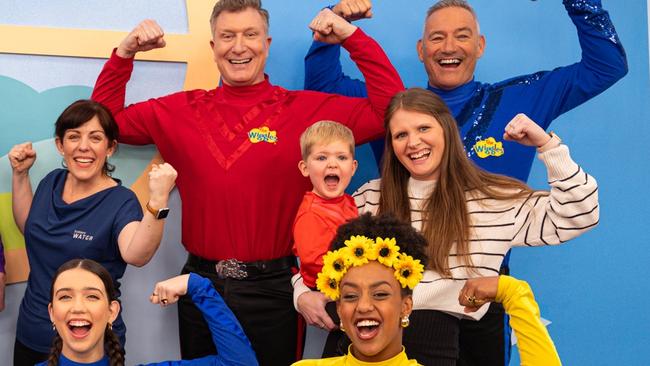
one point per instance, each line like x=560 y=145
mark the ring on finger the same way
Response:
x=471 y=300
x=164 y=301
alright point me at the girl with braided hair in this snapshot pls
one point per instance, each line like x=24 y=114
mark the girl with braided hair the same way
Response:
x=83 y=306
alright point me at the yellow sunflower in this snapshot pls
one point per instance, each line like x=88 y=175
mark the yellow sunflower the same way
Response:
x=386 y=251
x=336 y=263
x=408 y=271
x=359 y=250
x=328 y=285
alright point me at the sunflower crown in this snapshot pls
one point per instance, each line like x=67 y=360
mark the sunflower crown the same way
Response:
x=359 y=250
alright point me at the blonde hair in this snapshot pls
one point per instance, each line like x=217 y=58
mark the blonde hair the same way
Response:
x=325 y=132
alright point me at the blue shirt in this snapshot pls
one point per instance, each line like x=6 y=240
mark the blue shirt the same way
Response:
x=56 y=232
x=483 y=110
x=227 y=334
x=63 y=361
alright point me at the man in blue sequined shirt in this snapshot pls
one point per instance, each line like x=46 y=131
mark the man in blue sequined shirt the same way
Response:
x=450 y=46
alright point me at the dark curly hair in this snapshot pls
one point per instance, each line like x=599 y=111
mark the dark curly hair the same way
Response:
x=384 y=226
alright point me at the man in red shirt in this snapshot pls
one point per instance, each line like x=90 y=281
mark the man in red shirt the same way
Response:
x=235 y=148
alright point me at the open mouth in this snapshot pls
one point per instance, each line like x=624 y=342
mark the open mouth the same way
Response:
x=241 y=61
x=367 y=328
x=449 y=63
x=84 y=160
x=79 y=328
x=332 y=180
x=420 y=155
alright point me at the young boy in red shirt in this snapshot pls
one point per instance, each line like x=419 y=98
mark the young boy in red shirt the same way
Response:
x=328 y=160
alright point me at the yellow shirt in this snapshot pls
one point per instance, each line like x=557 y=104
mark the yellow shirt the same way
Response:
x=349 y=360
x=534 y=343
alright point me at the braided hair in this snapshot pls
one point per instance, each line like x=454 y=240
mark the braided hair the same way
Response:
x=112 y=346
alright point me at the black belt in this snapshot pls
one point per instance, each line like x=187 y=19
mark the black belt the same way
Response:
x=233 y=268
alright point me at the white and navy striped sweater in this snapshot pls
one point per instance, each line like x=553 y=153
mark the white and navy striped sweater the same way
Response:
x=569 y=210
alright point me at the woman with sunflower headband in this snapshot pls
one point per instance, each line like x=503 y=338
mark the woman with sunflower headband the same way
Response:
x=470 y=218
x=371 y=270
x=372 y=280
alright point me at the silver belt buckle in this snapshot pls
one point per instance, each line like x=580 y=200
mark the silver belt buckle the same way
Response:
x=231 y=268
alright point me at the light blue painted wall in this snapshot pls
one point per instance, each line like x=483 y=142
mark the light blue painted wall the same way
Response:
x=594 y=289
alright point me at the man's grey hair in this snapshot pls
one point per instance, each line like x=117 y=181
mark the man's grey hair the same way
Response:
x=235 y=6
x=455 y=4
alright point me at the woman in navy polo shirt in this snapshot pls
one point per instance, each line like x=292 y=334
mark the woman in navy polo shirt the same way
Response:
x=80 y=212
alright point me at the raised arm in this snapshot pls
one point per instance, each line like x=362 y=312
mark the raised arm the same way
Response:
x=603 y=63
x=571 y=206
x=533 y=341
x=110 y=87
x=139 y=240
x=232 y=344
x=21 y=158
x=323 y=71
x=363 y=116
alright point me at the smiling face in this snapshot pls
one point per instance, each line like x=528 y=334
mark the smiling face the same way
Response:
x=240 y=46
x=85 y=150
x=330 y=168
x=418 y=142
x=371 y=307
x=81 y=310
x=450 y=46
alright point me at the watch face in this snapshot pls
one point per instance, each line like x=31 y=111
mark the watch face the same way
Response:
x=162 y=213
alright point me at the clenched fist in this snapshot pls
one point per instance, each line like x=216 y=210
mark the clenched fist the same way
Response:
x=147 y=35
x=22 y=157
x=161 y=182
x=331 y=28
x=525 y=131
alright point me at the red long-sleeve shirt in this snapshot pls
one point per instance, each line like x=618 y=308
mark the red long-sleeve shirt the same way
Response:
x=315 y=227
x=236 y=149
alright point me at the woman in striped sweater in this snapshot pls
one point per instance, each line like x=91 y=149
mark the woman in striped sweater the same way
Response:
x=470 y=217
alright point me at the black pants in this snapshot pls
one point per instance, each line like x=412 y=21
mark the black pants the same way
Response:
x=485 y=342
x=263 y=305
x=431 y=339
x=25 y=356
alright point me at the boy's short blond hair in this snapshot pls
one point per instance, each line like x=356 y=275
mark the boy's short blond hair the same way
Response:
x=325 y=132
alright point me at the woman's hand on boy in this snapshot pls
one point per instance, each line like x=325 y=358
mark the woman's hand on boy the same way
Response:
x=312 y=307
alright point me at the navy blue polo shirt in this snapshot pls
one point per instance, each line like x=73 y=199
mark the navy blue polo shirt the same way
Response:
x=56 y=232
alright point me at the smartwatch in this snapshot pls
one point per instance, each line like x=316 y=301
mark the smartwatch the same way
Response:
x=160 y=213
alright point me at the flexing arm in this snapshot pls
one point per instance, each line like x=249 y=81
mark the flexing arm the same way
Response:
x=363 y=116
x=21 y=158
x=110 y=87
x=323 y=71
x=228 y=336
x=138 y=241
x=603 y=63
x=571 y=207
x=533 y=341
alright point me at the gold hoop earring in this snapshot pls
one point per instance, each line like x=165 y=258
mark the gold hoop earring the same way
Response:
x=341 y=327
x=405 y=321
x=110 y=326
x=53 y=327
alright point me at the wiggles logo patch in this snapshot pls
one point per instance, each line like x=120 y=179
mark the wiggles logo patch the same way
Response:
x=488 y=147
x=262 y=134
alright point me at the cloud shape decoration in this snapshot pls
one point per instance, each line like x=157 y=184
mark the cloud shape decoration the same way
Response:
x=27 y=115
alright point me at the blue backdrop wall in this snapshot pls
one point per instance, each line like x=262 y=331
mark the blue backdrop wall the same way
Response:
x=593 y=290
